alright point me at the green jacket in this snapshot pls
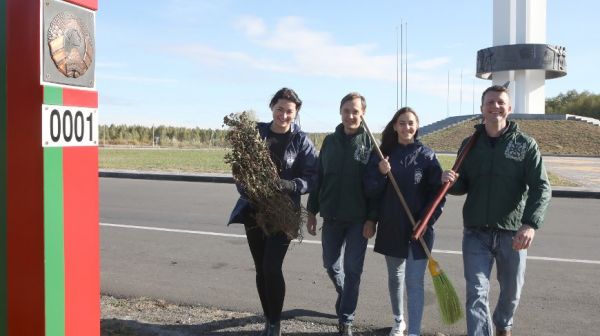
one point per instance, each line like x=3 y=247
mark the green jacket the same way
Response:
x=339 y=195
x=506 y=184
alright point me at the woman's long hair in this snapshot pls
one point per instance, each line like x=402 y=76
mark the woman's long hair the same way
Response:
x=389 y=137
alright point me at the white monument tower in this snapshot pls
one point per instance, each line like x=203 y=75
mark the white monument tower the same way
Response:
x=520 y=55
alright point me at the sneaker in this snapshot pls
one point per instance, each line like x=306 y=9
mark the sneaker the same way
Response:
x=398 y=329
x=345 y=329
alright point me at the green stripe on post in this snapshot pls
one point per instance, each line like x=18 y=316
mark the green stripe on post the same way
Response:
x=3 y=186
x=53 y=95
x=54 y=237
x=54 y=244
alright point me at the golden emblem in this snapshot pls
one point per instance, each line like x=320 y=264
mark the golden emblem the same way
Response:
x=70 y=45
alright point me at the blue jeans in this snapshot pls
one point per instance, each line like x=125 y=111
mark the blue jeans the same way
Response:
x=480 y=249
x=412 y=272
x=345 y=269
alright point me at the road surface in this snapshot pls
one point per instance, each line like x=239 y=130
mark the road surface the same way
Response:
x=169 y=240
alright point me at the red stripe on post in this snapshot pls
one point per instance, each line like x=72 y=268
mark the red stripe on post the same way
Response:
x=82 y=250
x=89 y=4
x=25 y=171
x=81 y=98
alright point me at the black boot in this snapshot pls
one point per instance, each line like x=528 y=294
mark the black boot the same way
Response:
x=267 y=328
x=274 y=329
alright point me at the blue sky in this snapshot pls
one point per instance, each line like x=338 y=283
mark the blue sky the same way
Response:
x=189 y=63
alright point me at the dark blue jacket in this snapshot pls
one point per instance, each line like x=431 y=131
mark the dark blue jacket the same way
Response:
x=418 y=174
x=299 y=165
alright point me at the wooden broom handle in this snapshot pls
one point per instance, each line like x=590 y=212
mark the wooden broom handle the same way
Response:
x=397 y=188
x=418 y=231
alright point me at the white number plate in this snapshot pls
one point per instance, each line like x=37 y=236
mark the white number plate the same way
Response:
x=66 y=126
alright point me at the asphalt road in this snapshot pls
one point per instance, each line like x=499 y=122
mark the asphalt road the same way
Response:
x=169 y=240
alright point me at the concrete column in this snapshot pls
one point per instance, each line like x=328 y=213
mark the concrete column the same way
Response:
x=521 y=22
x=529 y=89
x=504 y=18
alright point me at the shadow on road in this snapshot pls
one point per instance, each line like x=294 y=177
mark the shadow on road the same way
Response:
x=299 y=313
x=228 y=327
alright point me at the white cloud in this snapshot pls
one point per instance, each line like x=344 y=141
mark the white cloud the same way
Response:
x=252 y=26
x=316 y=53
x=296 y=48
x=213 y=57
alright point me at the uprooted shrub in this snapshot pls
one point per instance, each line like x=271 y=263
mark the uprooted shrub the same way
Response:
x=254 y=171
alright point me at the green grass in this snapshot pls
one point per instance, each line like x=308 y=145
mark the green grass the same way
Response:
x=209 y=161
x=170 y=160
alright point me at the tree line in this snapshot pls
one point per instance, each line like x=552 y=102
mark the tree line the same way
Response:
x=169 y=136
x=584 y=104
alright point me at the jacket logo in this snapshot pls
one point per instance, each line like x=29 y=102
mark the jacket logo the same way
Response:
x=362 y=154
x=515 y=151
x=418 y=175
x=411 y=159
x=290 y=160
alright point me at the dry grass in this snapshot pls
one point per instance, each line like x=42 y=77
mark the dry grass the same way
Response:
x=554 y=137
x=256 y=174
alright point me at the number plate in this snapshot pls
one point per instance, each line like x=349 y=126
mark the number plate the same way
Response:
x=66 y=126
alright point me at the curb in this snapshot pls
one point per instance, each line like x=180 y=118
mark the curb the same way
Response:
x=561 y=192
x=216 y=178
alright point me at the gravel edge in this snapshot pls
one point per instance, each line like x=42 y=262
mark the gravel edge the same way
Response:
x=155 y=317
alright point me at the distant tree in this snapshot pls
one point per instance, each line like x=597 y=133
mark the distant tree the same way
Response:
x=585 y=104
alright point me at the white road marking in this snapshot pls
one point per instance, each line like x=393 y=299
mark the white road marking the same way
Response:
x=307 y=241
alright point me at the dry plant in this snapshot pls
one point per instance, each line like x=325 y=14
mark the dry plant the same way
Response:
x=254 y=171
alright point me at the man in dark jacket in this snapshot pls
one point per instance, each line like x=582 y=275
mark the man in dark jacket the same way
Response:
x=507 y=195
x=345 y=209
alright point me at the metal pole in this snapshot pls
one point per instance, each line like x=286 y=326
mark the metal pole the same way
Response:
x=461 y=93
x=406 y=67
x=473 y=96
x=397 y=93
x=448 y=97
x=401 y=62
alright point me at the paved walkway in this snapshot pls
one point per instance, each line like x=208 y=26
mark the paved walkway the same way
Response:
x=583 y=170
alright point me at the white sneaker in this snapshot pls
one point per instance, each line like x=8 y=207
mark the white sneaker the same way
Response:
x=398 y=329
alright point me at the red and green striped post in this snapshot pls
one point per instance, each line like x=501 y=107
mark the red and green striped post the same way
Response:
x=49 y=233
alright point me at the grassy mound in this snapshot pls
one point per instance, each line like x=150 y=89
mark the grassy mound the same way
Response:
x=563 y=137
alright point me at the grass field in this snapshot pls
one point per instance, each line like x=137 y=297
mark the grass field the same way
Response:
x=206 y=161
x=554 y=137
x=170 y=160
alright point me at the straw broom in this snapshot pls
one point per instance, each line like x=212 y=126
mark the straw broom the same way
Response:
x=450 y=306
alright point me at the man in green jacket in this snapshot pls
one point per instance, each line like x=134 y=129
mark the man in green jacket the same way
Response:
x=345 y=209
x=507 y=195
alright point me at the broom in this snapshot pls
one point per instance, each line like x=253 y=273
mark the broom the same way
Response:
x=450 y=306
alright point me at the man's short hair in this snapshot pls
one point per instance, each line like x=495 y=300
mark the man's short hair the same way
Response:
x=351 y=96
x=495 y=88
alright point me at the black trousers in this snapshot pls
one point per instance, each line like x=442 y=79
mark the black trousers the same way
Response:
x=268 y=253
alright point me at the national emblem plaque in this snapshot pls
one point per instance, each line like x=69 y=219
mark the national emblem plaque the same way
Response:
x=68 y=44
